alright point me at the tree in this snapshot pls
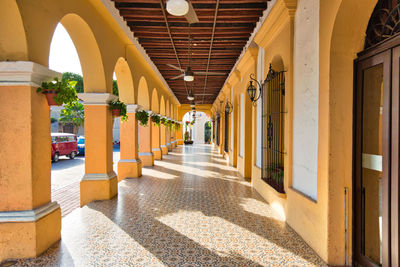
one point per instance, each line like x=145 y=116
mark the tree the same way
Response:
x=73 y=113
x=115 y=88
x=70 y=76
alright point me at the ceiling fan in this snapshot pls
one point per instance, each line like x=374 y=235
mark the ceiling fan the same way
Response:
x=188 y=72
x=182 y=8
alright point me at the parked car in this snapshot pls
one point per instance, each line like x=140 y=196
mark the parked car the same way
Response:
x=81 y=145
x=63 y=144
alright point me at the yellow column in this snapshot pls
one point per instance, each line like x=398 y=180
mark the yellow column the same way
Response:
x=100 y=180
x=163 y=139
x=129 y=165
x=156 y=149
x=168 y=137
x=179 y=135
x=145 y=153
x=29 y=222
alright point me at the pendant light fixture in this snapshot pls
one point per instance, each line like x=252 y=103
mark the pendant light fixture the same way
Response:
x=189 y=75
x=190 y=96
x=177 y=7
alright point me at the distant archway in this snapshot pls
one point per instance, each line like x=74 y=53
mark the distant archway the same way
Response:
x=143 y=94
x=126 y=88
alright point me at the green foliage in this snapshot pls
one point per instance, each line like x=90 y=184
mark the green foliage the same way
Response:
x=177 y=125
x=73 y=113
x=115 y=88
x=53 y=120
x=156 y=119
x=119 y=106
x=64 y=89
x=186 y=136
x=208 y=125
x=276 y=172
x=169 y=124
x=143 y=117
x=164 y=121
x=70 y=76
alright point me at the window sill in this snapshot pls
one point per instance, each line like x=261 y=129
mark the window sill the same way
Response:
x=280 y=195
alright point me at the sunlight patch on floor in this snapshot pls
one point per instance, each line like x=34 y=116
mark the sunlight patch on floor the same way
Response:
x=90 y=237
x=157 y=174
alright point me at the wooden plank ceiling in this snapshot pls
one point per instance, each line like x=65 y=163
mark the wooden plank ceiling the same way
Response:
x=234 y=22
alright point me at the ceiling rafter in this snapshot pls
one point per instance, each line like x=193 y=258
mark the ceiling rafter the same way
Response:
x=164 y=38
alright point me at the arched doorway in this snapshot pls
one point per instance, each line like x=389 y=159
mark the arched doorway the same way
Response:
x=376 y=140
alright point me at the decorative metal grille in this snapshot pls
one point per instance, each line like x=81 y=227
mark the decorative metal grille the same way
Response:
x=273 y=110
x=384 y=22
x=217 y=132
x=226 y=131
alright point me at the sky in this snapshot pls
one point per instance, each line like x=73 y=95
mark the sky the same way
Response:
x=63 y=55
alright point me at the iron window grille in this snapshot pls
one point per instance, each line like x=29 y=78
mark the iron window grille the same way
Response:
x=273 y=112
x=226 y=131
x=217 y=130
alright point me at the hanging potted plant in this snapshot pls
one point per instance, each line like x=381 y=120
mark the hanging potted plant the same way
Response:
x=58 y=92
x=143 y=117
x=118 y=109
x=156 y=119
x=169 y=124
x=177 y=126
x=164 y=121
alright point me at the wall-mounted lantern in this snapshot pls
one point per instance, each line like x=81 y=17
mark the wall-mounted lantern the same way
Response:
x=252 y=90
x=228 y=107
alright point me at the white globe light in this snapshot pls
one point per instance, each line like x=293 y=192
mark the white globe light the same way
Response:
x=177 y=7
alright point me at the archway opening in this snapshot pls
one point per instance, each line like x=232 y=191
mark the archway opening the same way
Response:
x=67 y=126
x=194 y=127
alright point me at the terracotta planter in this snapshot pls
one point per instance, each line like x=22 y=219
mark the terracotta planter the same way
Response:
x=50 y=98
x=116 y=112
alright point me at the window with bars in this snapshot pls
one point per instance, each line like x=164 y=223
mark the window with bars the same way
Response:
x=226 y=145
x=217 y=130
x=273 y=111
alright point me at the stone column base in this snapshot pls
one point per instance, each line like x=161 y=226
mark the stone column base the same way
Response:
x=169 y=146
x=98 y=186
x=157 y=153
x=147 y=158
x=28 y=233
x=164 y=150
x=129 y=168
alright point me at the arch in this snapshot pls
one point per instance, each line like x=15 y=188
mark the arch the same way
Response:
x=88 y=51
x=125 y=82
x=167 y=109
x=277 y=63
x=143 y=94
x=13 y=43
x=155 y=107
x=162 y=106
x=342 y=44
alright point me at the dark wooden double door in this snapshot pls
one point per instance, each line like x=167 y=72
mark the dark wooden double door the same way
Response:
x=376 y=156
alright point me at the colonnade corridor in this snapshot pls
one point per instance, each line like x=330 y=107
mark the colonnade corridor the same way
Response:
x=190 y=209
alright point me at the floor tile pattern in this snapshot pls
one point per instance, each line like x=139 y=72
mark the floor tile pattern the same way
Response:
x=68 y=197
x=191 y=209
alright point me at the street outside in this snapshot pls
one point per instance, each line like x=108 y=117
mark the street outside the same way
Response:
x=65 y=177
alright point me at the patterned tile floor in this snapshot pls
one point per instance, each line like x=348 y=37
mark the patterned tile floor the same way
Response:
x=191 y=209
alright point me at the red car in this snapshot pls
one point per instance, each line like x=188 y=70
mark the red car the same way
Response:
x=63 y=144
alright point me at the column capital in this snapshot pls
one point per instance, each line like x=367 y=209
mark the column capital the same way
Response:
x=132 y=108
x=25 y=73
x=97 y=98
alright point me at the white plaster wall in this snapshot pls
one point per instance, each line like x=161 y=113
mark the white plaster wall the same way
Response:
x=260 y=78
x=305 y=97
x=198 y=127
x=116 y=131
x=241 y=150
